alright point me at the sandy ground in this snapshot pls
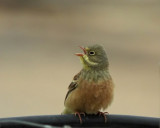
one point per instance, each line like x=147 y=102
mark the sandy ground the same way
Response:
x=37 y=46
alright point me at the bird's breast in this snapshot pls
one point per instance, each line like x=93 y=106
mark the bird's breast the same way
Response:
x=95 y=76
x=96 y=95
x=94 y=92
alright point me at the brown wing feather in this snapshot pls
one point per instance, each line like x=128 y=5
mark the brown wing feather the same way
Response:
x=73 y=85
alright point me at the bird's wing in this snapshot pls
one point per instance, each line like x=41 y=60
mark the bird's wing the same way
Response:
x=73 y=85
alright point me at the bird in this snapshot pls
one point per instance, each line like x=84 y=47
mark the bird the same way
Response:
x=92 y=89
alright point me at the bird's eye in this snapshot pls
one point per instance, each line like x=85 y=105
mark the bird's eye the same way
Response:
x=92 y=53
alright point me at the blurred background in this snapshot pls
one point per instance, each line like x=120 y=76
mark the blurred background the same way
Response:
x=38 y=39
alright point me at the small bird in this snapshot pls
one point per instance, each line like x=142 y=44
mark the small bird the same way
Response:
x=92 y=88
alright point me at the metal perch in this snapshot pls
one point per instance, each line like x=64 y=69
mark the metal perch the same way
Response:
x=57 y=121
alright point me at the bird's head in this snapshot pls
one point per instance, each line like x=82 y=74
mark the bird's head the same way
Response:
x=94 y=57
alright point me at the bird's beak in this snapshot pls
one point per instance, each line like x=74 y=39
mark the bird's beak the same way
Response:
x=81 y=54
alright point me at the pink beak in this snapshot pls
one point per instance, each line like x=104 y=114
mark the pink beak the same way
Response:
x=81 y=54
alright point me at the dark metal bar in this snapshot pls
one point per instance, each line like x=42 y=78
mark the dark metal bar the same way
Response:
x=113 y=121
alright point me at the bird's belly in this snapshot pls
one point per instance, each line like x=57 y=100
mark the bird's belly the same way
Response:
x=90 y=97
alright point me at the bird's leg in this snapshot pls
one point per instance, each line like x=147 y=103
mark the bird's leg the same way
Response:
x=104 y=115
x=79 y=116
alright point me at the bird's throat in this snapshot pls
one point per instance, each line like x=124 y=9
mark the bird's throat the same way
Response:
x=87 y=64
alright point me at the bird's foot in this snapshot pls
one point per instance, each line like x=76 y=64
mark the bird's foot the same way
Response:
x=79 y=116
x=104 y=115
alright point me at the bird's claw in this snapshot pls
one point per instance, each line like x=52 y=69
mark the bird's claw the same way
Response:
x=79 y=116
x=104 y=115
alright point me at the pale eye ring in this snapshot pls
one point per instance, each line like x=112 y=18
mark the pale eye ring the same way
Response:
x=92 y=53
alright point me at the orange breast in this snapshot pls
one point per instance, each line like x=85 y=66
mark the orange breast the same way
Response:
x=90 y=97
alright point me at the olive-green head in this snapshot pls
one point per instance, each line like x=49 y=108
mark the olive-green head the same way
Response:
x=94 y=57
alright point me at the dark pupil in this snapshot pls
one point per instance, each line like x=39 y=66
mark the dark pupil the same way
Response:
x=91 y=53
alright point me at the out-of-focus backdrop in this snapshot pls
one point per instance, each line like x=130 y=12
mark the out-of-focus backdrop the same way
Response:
x=38 y=39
